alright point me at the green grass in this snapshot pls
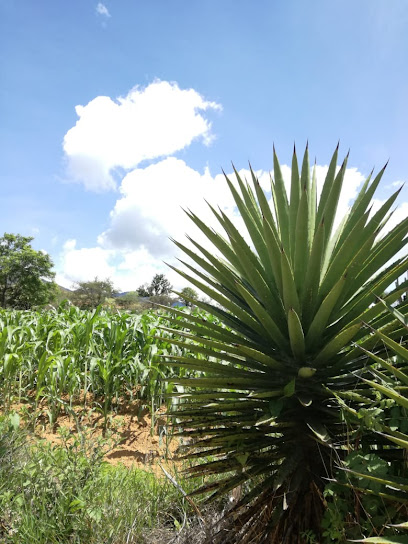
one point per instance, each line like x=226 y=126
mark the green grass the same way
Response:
x=68 y=494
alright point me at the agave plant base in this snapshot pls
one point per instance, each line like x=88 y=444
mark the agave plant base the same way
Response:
x=264 y=522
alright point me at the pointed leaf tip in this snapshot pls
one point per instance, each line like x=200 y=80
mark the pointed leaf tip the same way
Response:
x=233 y=166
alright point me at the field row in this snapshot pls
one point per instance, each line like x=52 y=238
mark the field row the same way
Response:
x=97 y=357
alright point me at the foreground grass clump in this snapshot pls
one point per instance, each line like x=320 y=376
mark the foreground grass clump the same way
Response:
x=68 y=494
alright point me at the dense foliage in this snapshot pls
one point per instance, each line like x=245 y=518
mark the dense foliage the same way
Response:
x=26 y=277
x=90 y=294
x=378 y=476
x=68 y=495
x=299 y=302
x=159 y=285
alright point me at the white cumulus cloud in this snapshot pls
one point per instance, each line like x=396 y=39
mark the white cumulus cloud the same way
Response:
x=111 y=140
x=83 y=264
x=132 y=250
x=148 y=123
x=150 y=209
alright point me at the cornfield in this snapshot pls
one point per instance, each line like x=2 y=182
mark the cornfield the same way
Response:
x=98 y=358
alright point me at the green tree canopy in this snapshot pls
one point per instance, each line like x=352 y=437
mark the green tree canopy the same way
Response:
x=159 y=285
x=89 y=294
x=26 y=277
x=188 y=293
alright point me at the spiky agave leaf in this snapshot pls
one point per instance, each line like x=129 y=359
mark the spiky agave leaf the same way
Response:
x=390 y=379
x=292 y=296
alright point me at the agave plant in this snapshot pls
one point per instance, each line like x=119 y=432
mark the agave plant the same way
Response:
x=291 y=297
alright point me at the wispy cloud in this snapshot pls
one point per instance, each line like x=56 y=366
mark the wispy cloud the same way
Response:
x=101 y=9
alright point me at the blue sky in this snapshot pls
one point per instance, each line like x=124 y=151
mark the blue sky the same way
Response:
x=173 y=91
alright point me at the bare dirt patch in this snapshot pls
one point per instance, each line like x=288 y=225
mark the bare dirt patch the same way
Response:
x=135 y=441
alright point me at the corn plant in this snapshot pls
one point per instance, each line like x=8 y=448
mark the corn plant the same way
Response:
x=291 y=297
x=55 y=358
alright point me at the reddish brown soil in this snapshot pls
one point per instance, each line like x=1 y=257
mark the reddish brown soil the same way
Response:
x=129 y=430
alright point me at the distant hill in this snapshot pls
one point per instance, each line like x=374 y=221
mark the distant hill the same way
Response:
x=65 y=289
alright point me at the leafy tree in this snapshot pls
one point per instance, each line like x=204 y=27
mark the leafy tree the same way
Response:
x=131 y=301
x=90 y=294
x=159 y=285
x=188 y=293
x=143 y=290
x=26 y=277
x=293 y=309
x=127 y=300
